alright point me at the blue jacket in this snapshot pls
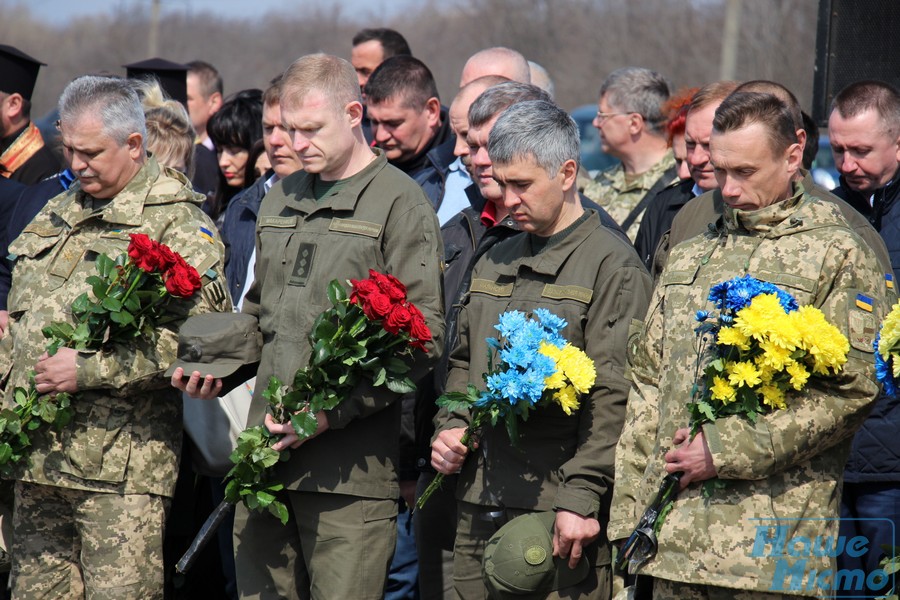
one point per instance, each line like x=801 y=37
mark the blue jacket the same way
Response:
x=875 y=454
x=239 y=234
x=20 y=204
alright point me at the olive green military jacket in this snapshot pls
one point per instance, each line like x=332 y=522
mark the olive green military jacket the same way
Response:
x=703 y=211
x=785 y=471
x=380 y=219
x=125 y=436
x=619 y=197
x=595 y=281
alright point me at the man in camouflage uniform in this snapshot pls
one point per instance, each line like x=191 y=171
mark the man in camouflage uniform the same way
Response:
x=91 y=501
x=630 y=121
x=783 y=474
x=568 y=262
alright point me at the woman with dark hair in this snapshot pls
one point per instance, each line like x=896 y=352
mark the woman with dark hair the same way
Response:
x=234 y=129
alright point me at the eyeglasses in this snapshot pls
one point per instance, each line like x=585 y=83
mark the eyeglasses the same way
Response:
x=602 y=116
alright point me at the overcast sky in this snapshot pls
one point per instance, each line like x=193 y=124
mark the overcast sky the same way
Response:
x=59 y=11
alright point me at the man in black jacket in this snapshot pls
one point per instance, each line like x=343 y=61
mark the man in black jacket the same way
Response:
x=864 y=129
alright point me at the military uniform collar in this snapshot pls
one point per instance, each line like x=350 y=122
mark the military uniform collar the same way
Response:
x=550 y=261
x=303 y=200
x=126 y=208
x=768 y=219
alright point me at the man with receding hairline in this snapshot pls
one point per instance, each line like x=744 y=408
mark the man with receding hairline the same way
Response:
x=864 y=130
x=346 y=212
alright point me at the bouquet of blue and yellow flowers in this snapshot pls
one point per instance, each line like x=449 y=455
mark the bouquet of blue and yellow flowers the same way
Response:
x=756 y=348
x=537 y=367
x=887 y=352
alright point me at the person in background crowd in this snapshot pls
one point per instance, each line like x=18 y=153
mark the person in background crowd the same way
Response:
x=630 y=120
x=371 y=47
x=498 y=60
x=204 y=97
x=234 y=129
x=24 y=156
x=864 y=132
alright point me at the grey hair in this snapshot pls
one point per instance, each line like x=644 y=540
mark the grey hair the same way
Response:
x=498 y=98
x=113 y=100
x=538 y=130
x=638 y=90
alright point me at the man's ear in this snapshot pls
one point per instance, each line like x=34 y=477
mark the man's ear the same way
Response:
x=433 y=109
x=215 y=102
x=354 y=111
x=15 y=104
x=794 y=158
x=135 y=143
x=569 y=172
x=635 y=123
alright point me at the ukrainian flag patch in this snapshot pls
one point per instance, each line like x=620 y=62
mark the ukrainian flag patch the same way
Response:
x=889 y=280
x=207 y=235
x=864 y=302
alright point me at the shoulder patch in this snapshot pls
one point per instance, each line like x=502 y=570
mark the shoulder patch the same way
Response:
x=491 y=288
x=207 y=235
x=862 y=327
x=889 y=280
x=864 y=302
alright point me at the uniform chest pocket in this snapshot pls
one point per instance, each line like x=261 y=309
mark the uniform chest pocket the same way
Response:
x=803 y=289
x=31 y=254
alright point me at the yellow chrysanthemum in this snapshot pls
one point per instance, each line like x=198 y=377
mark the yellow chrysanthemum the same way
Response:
x=799 y=375
x=567 y=398
x=743 y=373
x=824 y=342
x=766 y=372
x=785 y=334
x=578 y=367
x=774 y=355
x=731 y=336
x=756 y=320
x=721 y=390
x=890 y=332
x=773 y=396
x=558 y=379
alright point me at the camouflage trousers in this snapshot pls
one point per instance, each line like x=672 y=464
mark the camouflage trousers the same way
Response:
x=472 y=534
x=663 y=589
x=80 y=544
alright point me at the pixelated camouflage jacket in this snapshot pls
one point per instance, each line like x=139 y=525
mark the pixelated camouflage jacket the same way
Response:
x=125 y=436
x=380 y=219
x=786 y=469
x=618 y=198
x=595 y=281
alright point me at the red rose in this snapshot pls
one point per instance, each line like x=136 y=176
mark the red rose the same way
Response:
x=165 y=258
x=377 y=306
x=182 y=280
x=420 y=333
x=397 y=320
x=415 y=312
x=362 y=289
x=390 y=285
x=143 y=252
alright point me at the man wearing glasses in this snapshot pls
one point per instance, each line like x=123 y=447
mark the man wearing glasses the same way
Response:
x=630 y=121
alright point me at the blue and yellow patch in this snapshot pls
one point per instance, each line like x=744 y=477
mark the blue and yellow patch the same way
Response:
x=207 y=235
x=864 y=302
x=889 y=280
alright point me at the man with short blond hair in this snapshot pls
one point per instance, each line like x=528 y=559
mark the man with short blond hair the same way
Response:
x=346 y=212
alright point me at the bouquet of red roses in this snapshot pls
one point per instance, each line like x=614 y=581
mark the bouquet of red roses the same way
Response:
x=361 y=337
x=130 y=298
x=365 y=336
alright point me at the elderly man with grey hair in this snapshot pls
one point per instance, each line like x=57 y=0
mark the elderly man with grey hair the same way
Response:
x=630 y=121
x=568 y=262
x=91 y=499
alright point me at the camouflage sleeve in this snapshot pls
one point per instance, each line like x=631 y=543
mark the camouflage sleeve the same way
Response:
x=620 y=299
x=637 y=442
x=828 y=411
x=413 y=254
x=126 y=370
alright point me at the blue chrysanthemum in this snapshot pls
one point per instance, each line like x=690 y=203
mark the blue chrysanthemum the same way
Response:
x=884 y=371
x=701 y=315
x=510 y=322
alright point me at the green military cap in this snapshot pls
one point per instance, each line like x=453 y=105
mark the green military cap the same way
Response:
x=519 y=563
x=217 y=344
